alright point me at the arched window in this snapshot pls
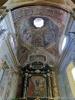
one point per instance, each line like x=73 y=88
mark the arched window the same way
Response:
x=73 y=73
x=71 y=77
x=63 y=43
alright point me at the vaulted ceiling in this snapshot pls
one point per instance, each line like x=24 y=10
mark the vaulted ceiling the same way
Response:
x=46 y=37
x=55 y=14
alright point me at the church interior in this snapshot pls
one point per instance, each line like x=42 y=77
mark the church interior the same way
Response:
x=37 y=49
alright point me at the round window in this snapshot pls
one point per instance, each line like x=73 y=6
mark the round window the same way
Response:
x=38 y=22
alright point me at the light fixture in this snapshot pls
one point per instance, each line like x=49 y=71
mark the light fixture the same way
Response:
x=73 y=73
x=64 y=43
x=38 y=22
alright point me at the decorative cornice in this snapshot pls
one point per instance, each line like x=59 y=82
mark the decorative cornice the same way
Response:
x=2 y=2
x=73 y=1
x=12 y=4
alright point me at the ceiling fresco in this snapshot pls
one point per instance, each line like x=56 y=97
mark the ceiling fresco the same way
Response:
x=48 y=36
